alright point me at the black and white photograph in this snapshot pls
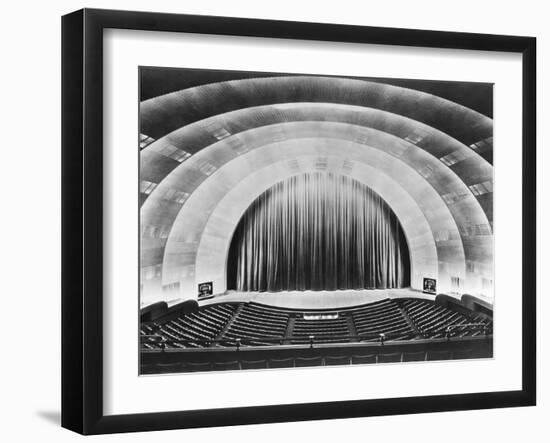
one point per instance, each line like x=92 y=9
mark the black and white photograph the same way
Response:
x=295 y=220
x=269 y=222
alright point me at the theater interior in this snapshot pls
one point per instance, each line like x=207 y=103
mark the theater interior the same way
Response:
x=300 y=220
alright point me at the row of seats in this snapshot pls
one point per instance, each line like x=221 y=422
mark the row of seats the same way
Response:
x=382 y=317
x=192 y=330
x=253 y=324
x=324 y=330
x=258 y=326
x=148 y=334
x=434 y=321
x=298 y=362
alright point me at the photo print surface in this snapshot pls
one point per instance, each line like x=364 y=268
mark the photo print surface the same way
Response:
x=291 y=220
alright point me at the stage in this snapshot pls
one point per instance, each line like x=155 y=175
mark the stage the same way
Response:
x=316 y=299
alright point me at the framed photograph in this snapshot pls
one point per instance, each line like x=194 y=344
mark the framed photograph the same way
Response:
x=311 y=220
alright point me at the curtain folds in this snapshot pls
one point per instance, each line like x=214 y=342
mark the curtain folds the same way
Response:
x=318 y=231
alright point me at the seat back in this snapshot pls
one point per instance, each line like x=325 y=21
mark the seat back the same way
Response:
x=363 y=359
x=281 y=363
x=389 y=358
x=414 y=356
x=301 y=362
x=337 y=360
x=256 y=364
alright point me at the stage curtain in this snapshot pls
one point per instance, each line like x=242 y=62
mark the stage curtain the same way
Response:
x=318 y=231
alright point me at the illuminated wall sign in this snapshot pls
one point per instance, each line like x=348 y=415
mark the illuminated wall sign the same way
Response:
x=429 y=285
x=206 y=289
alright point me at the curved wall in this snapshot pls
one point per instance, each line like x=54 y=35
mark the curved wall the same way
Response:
x=204 y=173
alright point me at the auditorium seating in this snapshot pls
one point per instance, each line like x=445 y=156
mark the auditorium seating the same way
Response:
x=382 y=317
x=434 y=321
x=191 y=330
x=322 y=331
x=255 y=325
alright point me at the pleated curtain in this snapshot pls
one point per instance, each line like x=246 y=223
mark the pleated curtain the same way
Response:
x=318 y=231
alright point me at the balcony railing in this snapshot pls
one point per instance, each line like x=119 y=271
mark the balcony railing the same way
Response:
x=310 y=340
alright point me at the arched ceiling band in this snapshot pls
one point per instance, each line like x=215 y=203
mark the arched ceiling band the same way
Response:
x=469 y=216
x=162 y=156
x=213 y=249
x=161 y=115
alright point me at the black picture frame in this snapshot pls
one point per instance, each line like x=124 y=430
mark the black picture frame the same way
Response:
x=82 y=215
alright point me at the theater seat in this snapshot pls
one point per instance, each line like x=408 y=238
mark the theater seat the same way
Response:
x=258 y=364
x=226 y=366
x=195 y=367
x=438 y=355
x=471 y=353
x=363 y=359
x=389 y=358
x=337 y=360
x=414 y=356
x=169 y=367
x=463 y=354
x=302 y=362
x=147 y=369
x=281 y=363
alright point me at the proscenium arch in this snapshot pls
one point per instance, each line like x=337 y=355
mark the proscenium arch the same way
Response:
x=203 y=258
x=417 y=205
x=471 y=169
x=422 y=196
x=466 y=211
x=163 y=114
x=213 y=249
